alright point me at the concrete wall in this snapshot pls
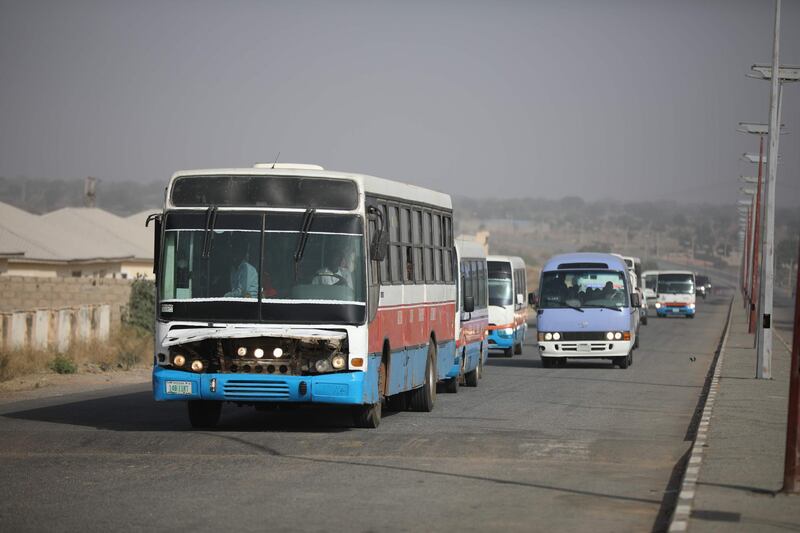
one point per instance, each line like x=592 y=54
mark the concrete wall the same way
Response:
x=23 y=293
x=54 y=329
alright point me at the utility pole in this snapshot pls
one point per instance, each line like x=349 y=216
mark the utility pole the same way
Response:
x=777 y=76
x=791 y=471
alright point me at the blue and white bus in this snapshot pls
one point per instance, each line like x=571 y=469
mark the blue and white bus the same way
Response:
x=473 y=315
x=508 y=308
x=290 y=283
x=676 y=293
x=587 y=310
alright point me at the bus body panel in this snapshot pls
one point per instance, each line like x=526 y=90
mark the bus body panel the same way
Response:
x=672 y=304
x=470 y=328
x=583 y=331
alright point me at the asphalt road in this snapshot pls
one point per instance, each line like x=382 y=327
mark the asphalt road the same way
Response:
x=586 y=447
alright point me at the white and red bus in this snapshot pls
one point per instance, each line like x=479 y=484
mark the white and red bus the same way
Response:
x=473 y=316
x=289 y=283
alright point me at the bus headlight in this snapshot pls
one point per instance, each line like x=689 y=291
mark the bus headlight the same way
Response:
x=548 y=336
x=338 y=362
x=610 y=335
x=258 y=353
x=617 y=335
x=179 y=360
x=556 y=336
x=197 y=366
x=691 y=306
x=241 y=351
x=277 y=352
x=322 y=365
x=658 y=305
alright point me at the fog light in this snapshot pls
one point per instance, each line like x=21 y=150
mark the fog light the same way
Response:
x=610 y=335
x=242 y=351
x=258 y=353
x=338 y=362
x=556 y=336
x=618 y=335
x=179 y=360
x=322 y=365
x=277 y=352
x=197 y=366
x=548 y=336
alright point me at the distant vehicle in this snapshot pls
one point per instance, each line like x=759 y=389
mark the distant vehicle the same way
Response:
x=634 y=265
x=650 y=284
x=508 y=309
x=587 y=309
x=676 y=293
x=703 y=287
x=287 y=284
x=473 y=316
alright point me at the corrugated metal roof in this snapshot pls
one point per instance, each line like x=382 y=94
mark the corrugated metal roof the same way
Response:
x=71 y=235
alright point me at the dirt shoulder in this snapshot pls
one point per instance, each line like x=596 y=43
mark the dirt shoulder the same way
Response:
x=46 y=385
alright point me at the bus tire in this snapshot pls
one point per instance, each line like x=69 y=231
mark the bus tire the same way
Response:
x=480 y=364
x=623 y=362
x=423 y=398
x=397 y=402
x=471 y=377
x=547 y=362
x=204 y=414
x=451 y=385
x=367 y=416
x=689 y=316
x=644 y=320
x=636 y=342
x=508 y=352
x=518 y=349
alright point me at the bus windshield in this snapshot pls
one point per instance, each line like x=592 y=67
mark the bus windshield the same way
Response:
x=675 y=284
x=500 y=292
x=650 y=282
x=240 y=260
x=583 y=288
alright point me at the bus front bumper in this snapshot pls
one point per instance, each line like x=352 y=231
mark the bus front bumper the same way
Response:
x=335 y=388
x=686 y=310
x=501 y=339
x=585 y=349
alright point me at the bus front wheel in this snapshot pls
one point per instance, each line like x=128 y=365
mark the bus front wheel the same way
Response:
x=204 y=414
x=368 y=416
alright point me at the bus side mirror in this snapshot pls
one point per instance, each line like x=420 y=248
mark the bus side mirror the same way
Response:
x=469 y=304
x=635 y=301
x=156 y=219
x=533 y=301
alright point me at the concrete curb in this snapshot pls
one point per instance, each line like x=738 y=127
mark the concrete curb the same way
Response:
x=683 y=509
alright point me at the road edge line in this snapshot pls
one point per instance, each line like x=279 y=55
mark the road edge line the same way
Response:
x=683 y=507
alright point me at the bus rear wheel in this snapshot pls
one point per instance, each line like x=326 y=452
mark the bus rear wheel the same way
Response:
x=423 y=398
x=471 y=377
x=368 y=416
x=204 y=414
x=518 y=348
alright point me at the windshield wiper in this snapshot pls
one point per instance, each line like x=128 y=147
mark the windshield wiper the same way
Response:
x=618 y=308
x=565 y=304
x=301 y=242
x=208 y=236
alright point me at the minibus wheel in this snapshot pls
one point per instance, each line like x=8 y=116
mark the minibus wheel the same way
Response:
x=471 y=377
x=451 y=385
x=508 y=352
x=368 y=416
x=623 y=362
x=518 y=349
x=547 y=362
x=204 y=414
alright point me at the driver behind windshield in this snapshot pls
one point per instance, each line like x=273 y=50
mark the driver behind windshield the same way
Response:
x=337 y=270
x=244 y=276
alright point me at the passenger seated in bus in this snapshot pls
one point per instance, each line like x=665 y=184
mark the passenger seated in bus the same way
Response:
x=244 y=276
x=267 y=289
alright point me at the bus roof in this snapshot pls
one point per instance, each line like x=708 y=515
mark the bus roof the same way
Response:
x=689 y=272
x=469 y=248
x=516 y=262
x=584 y=260
x=366 y=184
x=650 y=273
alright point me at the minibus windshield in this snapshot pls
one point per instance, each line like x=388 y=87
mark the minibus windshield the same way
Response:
x=583 y=289
x=675 y=284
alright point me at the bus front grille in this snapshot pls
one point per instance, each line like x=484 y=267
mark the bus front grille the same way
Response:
x=245 y=389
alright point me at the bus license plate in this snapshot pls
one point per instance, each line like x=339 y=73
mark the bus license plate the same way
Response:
x=584 y=348
x=179 y=387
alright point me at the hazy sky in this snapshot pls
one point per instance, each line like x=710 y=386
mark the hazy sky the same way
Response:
x=630 y=100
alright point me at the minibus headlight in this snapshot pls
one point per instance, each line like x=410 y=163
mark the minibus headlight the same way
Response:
x=338 y=362
x=258 y=353
x=548 y=336
x=241 y=351
x=691 y=306
x=277 y=352
x=197 y=366
x=556 y=336
x=610 y=335
x=179 y=360
x=658 y=305
x=617 y=335
x=322 y=365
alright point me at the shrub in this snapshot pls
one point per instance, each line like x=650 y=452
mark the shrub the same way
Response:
x=141 y=306
x=63 y=365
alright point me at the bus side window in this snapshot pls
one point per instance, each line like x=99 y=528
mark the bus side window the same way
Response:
x=416 y=235
x=385 y=262
x=395 y=266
